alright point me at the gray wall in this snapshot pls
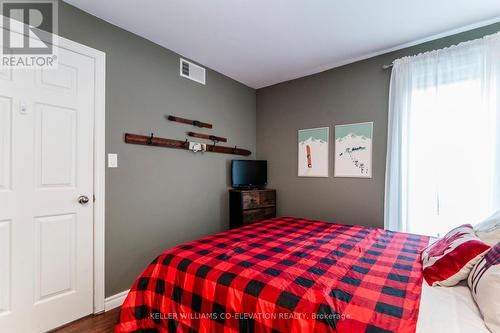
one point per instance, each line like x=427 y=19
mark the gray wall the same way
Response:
x=159 y=198
x=356 y=92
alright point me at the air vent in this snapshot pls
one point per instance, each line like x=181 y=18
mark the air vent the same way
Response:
x=192 y=71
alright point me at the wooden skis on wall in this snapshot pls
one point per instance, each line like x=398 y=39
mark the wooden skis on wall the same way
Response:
x=196 y=123
x=207 y=137
x=178 y=144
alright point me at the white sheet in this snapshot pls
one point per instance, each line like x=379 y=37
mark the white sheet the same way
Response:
x=449 y=310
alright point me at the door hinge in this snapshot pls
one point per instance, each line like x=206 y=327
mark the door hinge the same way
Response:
x=93 y=197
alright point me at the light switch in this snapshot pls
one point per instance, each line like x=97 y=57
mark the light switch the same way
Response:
x=112 y=160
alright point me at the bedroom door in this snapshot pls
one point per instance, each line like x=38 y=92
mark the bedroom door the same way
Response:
x=46 y=194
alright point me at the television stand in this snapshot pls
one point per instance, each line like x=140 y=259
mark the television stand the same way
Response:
x=247 y=206
x=249 y=188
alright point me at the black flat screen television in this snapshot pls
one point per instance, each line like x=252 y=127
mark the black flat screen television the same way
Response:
x=248 y=174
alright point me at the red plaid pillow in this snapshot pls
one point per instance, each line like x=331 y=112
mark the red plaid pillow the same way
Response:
x=450 y=260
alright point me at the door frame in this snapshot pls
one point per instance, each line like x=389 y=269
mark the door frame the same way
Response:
x=99 y=183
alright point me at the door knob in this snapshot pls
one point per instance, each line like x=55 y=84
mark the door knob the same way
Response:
x=83 y=199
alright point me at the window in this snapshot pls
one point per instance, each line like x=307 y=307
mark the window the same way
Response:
x=443 y=163
x=451 y=154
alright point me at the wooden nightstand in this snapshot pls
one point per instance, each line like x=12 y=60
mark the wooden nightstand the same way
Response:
x=250 y=206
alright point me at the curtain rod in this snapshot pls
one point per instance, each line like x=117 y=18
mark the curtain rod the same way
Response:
x=388 y=66
x=495 y=35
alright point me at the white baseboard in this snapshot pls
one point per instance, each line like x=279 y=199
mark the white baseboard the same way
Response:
x=115 y=301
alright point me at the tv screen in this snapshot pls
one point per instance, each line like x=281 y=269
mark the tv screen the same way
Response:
x=248 y=173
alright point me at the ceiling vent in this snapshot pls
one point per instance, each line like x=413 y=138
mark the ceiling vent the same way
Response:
x=192 y=71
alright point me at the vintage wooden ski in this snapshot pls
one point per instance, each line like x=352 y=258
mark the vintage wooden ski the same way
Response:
x=196 y=123
x=178 y=144
x=207 y=137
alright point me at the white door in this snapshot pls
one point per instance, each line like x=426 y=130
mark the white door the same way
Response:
x=46 y=164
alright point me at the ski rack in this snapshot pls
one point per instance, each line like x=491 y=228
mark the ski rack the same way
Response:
x=179 y=144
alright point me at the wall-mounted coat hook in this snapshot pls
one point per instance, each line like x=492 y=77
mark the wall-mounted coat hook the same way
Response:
x=150 y=140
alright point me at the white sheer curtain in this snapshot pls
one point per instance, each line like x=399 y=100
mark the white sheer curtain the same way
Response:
x=443 y=150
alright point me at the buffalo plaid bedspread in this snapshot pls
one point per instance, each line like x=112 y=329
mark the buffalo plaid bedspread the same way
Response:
x=282 y=275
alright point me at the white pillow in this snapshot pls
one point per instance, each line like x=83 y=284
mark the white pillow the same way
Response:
x=489 y=230
x=484 y=282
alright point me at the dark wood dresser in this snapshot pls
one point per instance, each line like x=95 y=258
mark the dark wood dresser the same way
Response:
x=250 y=206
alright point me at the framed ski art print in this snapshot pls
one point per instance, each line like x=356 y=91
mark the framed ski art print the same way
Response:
x=313 y=152
x=353 y=150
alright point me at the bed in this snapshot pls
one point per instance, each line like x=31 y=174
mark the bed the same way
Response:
x=282 y=275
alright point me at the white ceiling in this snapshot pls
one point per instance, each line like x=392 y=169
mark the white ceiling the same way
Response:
x=263 y=42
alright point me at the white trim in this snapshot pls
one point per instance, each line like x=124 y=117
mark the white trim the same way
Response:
x=99 y=157
x=329 y=66
x=99 y=180
x=112 y=302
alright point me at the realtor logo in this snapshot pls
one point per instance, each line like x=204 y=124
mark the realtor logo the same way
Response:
x=28 y=34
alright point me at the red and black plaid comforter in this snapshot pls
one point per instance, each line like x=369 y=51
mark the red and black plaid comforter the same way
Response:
x=282 y=275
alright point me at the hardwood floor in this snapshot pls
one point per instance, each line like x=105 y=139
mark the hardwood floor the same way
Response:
x=103 y=323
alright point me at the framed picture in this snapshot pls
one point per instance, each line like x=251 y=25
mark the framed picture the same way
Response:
x=313 y=152
x=353 y=150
